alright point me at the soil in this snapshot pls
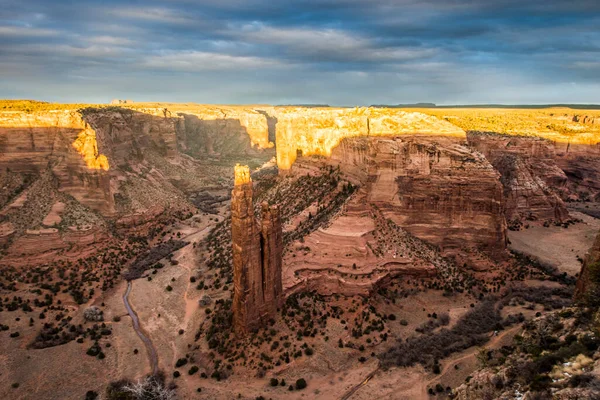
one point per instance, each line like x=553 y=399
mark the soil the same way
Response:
x=560 y=247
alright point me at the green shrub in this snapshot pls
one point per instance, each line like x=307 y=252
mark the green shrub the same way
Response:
x=300 y=384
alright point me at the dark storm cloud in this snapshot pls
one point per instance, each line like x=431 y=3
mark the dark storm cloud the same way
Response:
x=336 y=51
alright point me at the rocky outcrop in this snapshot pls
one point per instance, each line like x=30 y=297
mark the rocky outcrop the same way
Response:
x=581 y=164
x=531 y=178
x=588 y=283
x=434 y=187
x=46 y=244
x=63 y=142
x=257 y=253
x=586 y=119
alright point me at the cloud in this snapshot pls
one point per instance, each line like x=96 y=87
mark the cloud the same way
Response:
x=334 y=51
x=110 y=40
x=22 y=31
x=161 y=15
x=192 y=61
x=329 y=45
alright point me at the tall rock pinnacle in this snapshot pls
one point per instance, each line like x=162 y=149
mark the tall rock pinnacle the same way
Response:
x=257 y=253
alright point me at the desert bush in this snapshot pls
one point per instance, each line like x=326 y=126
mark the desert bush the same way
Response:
x=300 y=384
x=151 y=257
x=469 y=331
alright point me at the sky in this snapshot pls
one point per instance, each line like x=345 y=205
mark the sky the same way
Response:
x=338 y=52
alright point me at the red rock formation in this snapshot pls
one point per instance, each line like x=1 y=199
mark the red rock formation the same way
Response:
x=272 y=248
x=434 y=187
x=256 y=257
x=529 y=173
x=587 y=290
x=30 y=143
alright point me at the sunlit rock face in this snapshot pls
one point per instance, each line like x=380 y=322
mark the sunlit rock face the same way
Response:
x=318 y=131
x=87 y=146
x=434 y=187
x=63 y=142
x=533 y=182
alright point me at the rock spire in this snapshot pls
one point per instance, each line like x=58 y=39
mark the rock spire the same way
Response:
x=257 y=250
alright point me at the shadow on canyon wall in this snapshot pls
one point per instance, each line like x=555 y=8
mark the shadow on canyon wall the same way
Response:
x=271 y=124
x=222 y=138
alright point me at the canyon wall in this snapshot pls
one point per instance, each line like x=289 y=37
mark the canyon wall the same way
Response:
x=306 y=131
x=63 y=142
x=87 y=150
x=112 y=162
x=533 y=182
x=222 y=131
x=588 y=284
x=581 y=164
x=434 y=187
x=416 y=168
x=540 y=173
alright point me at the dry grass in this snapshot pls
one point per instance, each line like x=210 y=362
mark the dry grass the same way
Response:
x=550 y=123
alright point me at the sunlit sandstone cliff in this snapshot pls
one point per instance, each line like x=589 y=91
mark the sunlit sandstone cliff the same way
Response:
x=87 y=146
x=118 y=162
x=318 y=131
x=63 y=142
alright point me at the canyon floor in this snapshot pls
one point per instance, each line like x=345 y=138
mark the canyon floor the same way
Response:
x=331 y=372
x=562 y=248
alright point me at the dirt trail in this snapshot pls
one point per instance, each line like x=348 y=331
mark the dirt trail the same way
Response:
x=350 y=392
x=150 y=349
x=185 y=255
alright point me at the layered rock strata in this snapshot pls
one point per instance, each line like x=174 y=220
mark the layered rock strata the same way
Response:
x=532 y=180
x=89 y=150
x=257 y=250
x=63 y=142
x=434 y=187
x=318 y=131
